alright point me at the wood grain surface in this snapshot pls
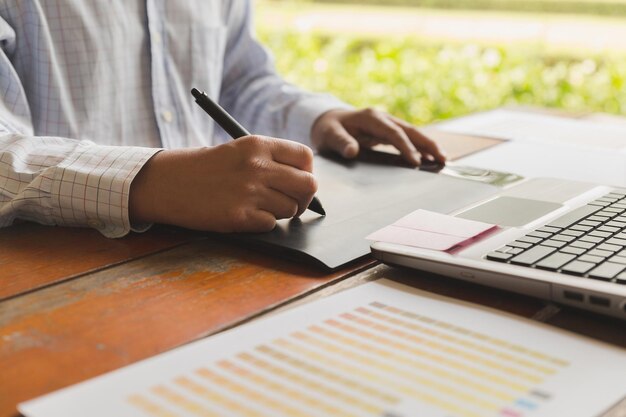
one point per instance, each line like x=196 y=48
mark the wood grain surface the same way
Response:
x=33 y=256
x=77 y=329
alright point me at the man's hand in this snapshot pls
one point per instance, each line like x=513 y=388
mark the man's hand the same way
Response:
x=241 y=186
x=345 y=131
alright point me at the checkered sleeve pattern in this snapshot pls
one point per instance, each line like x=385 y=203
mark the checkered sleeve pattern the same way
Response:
x=66 y=182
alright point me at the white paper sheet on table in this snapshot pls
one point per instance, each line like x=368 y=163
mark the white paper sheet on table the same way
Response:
x=532 y=159
x=382 y=349
x=543 y=129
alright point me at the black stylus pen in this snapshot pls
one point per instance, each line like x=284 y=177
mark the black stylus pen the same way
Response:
x=235 y=130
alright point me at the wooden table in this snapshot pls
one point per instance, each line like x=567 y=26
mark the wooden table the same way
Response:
x=74 y=305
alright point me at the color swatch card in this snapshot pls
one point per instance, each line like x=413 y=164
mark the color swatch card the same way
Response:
x=429 y=230
x=382 y=349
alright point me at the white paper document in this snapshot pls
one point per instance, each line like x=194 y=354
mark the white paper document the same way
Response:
x=382 y=349
x=538 y=128
x=532 y=159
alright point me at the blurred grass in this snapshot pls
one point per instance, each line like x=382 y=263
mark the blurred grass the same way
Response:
x=423 y=81
x=598 y=7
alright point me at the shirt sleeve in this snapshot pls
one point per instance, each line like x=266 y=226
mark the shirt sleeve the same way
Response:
x=256 y=95
x=59 y=181
x=64 y=182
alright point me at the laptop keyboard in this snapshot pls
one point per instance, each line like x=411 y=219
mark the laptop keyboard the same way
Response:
x=589 y=242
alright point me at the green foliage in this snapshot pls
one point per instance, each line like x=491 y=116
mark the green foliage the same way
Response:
x=423 y=82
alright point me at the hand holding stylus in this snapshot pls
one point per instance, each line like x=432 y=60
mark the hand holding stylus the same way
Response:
x=236 y=131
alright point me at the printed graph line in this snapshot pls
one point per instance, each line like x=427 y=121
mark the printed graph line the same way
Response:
x=460 y=366
x=252 y=395
x=149 y=407
x=408 y=337
x=183 y=402
x=426 y=398
x=457 y=341
x=370 y=392
x=216 y=398
x=443 y=389
x=310 y=384
x=470 y=333
x=368 y=363
x=310 y=402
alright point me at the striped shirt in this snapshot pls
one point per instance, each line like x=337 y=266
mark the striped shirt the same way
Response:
x=90 y=90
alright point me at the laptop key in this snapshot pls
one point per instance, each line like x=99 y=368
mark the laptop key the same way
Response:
x=533 y=255
x=617 y=241
x=555 y=261
x=609 y=248
x=540 y=235
x=600 y=253
x=616 y=223
x=621 y=278
x=597 y=233
x=529 y=239
x=563 y=238
x=590 y=223
x=609 y=212
x=608 y=229
x=584 y=245
x=577 y=267
x=592 y=259
x=518 y=244
x=510 y=249
x=575 y=233
x=613 y=209
x=591 y=239
x=598 y=218
x=548 y=229
x=607 y=271
x=599 y=203
x=573 y=216
x=554 y=243
x=499 y=256
x=581 y=228
x=619 y=260
x=573 y=250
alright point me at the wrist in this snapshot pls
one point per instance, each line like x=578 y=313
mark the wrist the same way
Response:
x=144 y=191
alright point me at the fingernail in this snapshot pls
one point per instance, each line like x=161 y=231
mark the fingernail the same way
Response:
x=349 y=151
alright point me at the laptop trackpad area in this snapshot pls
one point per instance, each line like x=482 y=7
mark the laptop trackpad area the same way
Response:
x=510 y=211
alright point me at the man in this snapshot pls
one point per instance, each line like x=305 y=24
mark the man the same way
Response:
x=92 y=91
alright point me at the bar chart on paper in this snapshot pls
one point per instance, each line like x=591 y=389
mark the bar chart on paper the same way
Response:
x=378 y=350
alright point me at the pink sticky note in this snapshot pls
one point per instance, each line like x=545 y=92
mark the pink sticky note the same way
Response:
x=429 y=221
x=428 y=230
x=416 y=238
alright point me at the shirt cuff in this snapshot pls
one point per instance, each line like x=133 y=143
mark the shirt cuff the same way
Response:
x=92 y=187
x=303 y=115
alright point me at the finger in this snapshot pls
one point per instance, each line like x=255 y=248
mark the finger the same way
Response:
x=299 y=185
x=339 y=140
x=423 y=143
x=256 y=221
x=385 y=129
x=280 y=205
x=291 y=153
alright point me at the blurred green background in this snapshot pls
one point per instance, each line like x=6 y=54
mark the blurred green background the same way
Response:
x=428 y=60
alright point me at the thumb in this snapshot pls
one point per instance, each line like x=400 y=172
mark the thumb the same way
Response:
x=340 y=141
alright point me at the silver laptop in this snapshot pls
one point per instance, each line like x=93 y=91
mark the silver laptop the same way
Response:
x=559 y=240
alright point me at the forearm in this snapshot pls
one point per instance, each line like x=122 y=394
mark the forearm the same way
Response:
x=256 y=95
